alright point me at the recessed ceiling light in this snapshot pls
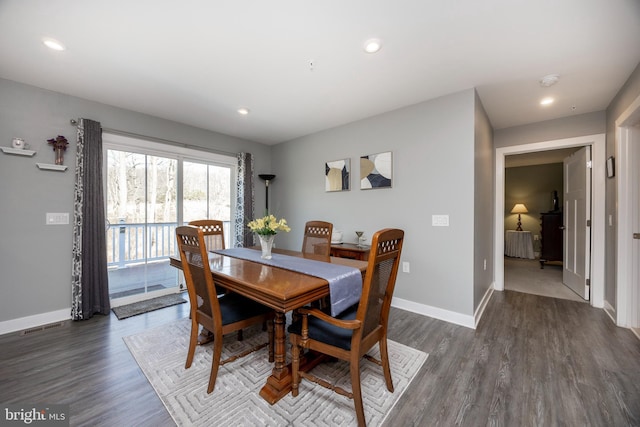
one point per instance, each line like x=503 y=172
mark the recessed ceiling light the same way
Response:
x=546 y=101
x=53 y=44
x=372 y=45
x=243 y=111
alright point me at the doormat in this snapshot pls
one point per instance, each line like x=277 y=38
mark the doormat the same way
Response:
x=146 y=306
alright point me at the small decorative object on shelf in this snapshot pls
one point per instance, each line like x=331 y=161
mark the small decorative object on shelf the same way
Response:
x=18 y=143
x=59 y=145
x=266 y=228
x=360 y=242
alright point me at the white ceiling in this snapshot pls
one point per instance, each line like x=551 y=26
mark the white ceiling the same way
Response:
x=198 y=61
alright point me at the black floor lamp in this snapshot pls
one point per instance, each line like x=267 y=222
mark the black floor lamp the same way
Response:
x=267 y=178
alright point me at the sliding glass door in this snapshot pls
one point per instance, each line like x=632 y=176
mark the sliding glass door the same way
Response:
x=148 y=194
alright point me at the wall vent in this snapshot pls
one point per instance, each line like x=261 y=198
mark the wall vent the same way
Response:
x=42 y=328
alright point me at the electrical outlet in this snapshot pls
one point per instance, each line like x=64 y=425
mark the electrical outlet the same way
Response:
x=405 y=267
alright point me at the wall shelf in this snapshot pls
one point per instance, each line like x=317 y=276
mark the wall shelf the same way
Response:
x=45 y=166
x=18 y=151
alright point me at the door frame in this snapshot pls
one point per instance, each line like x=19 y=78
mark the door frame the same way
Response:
x=627 y=310
x=597 y=142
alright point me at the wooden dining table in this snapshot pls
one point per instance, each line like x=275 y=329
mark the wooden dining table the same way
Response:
x=278 y=288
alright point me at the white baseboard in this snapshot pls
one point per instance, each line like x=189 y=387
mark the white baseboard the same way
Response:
x=435 y=312
x=483 y=304
x=36 y=320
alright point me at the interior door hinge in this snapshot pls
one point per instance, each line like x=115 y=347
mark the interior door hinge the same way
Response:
x=589 y=164
x=588 y=223
x=588 y=282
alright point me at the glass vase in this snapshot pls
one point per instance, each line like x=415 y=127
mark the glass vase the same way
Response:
x=59 y=151
x=266 y=243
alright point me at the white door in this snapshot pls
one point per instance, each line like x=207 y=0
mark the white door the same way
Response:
x=577 y=221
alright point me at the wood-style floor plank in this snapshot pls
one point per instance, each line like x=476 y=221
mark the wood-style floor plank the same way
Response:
x=532 y=361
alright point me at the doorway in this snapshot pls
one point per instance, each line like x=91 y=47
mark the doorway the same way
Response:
x=597 y=142
x=536 y=180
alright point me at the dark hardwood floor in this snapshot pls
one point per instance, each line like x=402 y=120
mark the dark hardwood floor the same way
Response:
x=533 y=361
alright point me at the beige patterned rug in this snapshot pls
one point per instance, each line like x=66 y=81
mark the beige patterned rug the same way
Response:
x=161 y=354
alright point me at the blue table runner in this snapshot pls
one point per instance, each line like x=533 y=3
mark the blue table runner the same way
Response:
x=345 y=283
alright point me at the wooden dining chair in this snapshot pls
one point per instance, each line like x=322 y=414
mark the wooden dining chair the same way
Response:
x=356 y=330
x=220 y=314
x=213 y=231
x=317 y=238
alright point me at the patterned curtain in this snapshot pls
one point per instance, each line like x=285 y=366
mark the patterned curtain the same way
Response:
x=90 y=286
x=244 y=202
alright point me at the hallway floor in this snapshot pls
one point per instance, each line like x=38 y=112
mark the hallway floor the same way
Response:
x=525 y=275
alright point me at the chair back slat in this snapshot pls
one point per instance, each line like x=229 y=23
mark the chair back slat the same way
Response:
x=317 y=238
x=213 y=231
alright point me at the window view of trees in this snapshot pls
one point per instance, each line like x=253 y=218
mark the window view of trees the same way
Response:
x=142 y=198
x=140 y=188
x=206 y=192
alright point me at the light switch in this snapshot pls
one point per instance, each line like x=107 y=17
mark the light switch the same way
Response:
x=57 y=218
x=440 y=220
x=405 y=267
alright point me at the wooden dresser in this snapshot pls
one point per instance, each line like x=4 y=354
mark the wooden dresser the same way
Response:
x=551 y=237
x=350 y=250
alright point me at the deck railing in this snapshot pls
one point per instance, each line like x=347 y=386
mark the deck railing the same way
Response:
x=135 y=243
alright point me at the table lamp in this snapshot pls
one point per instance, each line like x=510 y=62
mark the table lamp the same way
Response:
x=519 y=208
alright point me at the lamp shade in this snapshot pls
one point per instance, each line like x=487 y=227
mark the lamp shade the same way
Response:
x=519 y=208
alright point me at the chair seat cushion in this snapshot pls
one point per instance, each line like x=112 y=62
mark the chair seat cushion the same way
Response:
x=319 y=330
x=234 y=307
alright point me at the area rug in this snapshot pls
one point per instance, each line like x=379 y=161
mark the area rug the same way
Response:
x=161 y=354
x=146 y=306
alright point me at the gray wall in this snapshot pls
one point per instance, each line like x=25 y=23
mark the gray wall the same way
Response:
x=484 y=203
x=627 y=94
x=433 y=161
x=35 y=259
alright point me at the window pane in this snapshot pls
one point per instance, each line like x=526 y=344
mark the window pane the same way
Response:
x=194 y=191
x=220 y=193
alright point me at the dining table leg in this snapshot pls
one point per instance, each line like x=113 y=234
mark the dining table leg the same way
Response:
x=279 y=382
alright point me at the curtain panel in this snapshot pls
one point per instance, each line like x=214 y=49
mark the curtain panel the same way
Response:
x=245 y=201
x=90 y=282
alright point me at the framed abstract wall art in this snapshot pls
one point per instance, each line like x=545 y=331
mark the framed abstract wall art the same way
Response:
x=376 y=171
x=337 y=175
